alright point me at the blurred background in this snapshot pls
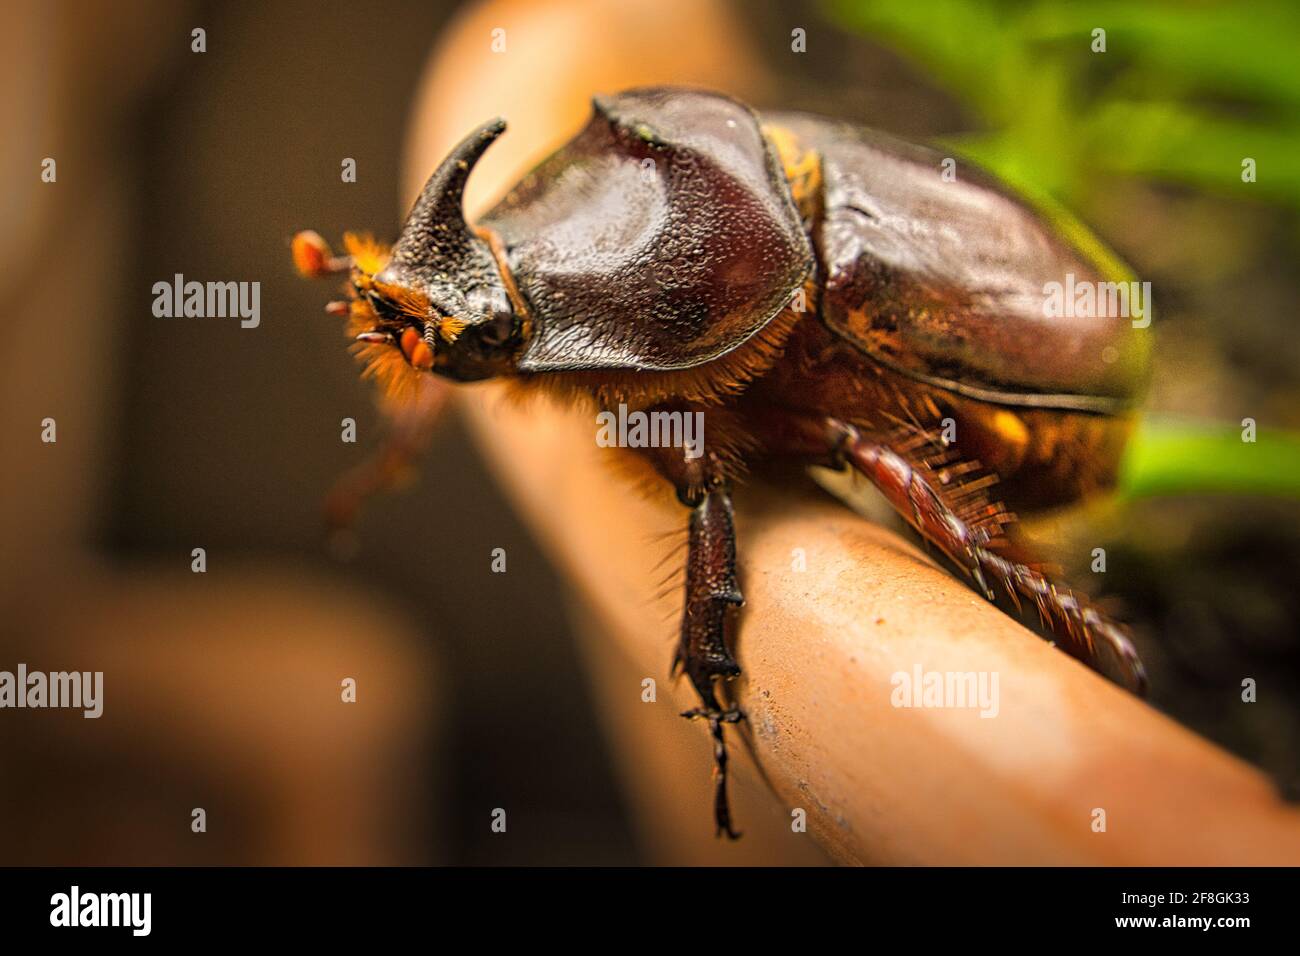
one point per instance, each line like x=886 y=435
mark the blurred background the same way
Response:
x=473 y=693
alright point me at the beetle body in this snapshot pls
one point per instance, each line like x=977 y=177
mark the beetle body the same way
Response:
x=941 y=283
x=818 y=291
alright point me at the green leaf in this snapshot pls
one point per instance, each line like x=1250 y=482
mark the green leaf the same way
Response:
x=1171 y=458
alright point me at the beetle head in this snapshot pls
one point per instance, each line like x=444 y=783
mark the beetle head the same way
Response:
x=437 y=302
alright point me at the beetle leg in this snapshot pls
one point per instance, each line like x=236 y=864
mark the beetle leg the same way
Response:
x=711 y=593
x=1085 y=631
x=408 y=426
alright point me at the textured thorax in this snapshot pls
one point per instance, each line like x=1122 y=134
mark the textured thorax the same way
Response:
x=661 y=238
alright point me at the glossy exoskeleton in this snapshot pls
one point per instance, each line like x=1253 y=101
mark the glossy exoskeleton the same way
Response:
x=817 y=290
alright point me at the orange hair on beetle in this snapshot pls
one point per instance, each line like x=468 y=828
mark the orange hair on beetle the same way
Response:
x=382 y=362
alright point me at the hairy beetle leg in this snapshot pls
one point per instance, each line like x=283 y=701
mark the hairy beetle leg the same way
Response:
x=1084 y=630
x=408 y=427
x=711 y=594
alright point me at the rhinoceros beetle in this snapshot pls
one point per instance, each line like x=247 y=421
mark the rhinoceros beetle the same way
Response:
x=819 y=291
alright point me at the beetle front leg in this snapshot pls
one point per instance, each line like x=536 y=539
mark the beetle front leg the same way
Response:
x=408 y=428
x=711 y=594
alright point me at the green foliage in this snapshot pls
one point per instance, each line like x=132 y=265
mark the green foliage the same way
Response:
x=1183 y=92
x=1170 y=458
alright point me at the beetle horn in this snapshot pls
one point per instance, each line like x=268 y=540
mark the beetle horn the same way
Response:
x=437 y=220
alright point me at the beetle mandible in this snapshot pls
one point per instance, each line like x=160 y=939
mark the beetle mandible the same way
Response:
x=816 y=289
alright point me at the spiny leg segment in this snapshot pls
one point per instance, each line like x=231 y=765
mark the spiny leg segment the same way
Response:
x=963 y=525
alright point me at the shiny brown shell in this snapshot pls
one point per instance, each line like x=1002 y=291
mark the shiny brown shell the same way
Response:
x=661 y=238
x=945 y=280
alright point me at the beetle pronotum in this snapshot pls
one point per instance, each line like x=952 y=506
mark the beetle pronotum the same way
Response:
x=816 y=290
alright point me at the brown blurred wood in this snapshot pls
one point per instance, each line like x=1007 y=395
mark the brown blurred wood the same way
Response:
x=223 y=691
x=880 y=784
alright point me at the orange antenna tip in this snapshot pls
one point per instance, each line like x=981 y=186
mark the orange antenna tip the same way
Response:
x=313 y=257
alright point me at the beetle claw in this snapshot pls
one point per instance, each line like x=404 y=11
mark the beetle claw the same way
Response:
x=731 y=715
